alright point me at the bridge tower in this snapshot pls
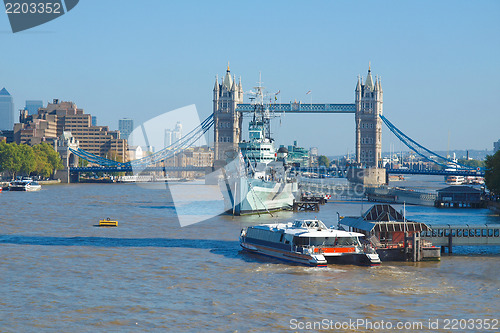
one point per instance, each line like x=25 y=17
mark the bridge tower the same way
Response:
x=228 y=122
x=369 y=100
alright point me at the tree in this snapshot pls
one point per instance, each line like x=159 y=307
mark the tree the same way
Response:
x=82 y=162
x=53 y=157
x=8 y=160
x=323 y=160
x=38 y=160
x=472 y=163
x=27 y=159
x=492 y=172
x=42 y=165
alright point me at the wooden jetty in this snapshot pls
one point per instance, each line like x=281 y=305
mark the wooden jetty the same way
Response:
x=306 y=206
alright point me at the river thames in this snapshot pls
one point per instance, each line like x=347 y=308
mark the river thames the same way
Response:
x=61 y=273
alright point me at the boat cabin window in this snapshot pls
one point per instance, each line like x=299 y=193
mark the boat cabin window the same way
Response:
x=325 y=241
x=255 y=134
x=301 y=241
x=309 y=224
x=347 y=241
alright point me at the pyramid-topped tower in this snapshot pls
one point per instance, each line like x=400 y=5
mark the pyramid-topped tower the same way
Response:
x=227 y=127
x=369 y=100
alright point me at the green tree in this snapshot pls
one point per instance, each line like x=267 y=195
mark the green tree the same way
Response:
x=323 y=160
x=8 y=160
x=52 y=156
x=42 y=165
x=472 y=163
x=27 y=159
x=38 y=160
x=82 y=162
x=492 y=172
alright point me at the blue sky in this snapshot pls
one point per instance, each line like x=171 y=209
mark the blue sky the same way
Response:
x=439 y=62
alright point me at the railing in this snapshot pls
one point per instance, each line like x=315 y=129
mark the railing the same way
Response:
x=440 y=235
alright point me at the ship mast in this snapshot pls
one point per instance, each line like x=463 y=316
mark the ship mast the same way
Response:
x=261 y=115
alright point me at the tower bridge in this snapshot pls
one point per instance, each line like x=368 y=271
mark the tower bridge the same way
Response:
x=227 y=119
x=228 y=108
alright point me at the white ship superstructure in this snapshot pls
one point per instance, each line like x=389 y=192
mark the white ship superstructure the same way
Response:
x=257 y=181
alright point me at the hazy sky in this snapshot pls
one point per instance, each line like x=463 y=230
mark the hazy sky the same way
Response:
x=439 y=62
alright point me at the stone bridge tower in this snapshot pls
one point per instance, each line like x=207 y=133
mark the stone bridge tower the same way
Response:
x=227 y=126
x=369 y=99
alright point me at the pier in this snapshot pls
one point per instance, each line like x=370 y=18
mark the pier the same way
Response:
x=460 y=197
x=306 y=206
x=448 y=236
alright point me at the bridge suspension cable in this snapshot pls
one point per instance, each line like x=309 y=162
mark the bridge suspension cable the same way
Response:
x=183 y=143
x=419 y=149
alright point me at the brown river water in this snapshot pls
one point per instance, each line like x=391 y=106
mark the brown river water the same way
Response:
x=60 y=273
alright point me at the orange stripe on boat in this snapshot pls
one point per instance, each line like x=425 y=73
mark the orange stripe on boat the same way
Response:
x=334 y=249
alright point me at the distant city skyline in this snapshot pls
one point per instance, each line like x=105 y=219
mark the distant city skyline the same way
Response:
x=439 y=64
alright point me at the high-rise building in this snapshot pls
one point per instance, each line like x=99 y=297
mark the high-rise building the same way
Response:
x=33 y=105
x=496 y=146
x=126 y=126
x=369 y=99
x=172 y=135
x=58 y=117
x=227 y=121
x=94 y=121
x=167 y=139
x=6 y=110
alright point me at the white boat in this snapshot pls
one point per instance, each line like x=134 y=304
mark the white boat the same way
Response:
x=257 y=181
x=308 y=242
x=25 y=184
x=455 y=180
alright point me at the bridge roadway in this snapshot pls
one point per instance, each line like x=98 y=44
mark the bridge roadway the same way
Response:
x=297 y=107
x=451 y=235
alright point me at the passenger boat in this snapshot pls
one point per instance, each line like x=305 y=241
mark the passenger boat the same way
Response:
x=308 y=242
x=455 y=180
x=25 y=184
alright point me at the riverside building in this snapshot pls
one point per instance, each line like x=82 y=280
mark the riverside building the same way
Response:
x=50 y=122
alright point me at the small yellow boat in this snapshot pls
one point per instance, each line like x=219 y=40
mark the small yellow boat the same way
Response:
x=108 y=223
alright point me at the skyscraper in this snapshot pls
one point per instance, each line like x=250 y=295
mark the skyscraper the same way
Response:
x=172 y=136
x=33 y=105
x=126 y=126
x=6 y=110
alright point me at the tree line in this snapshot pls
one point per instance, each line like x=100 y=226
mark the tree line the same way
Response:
x=41 y=160
x=492 y=173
